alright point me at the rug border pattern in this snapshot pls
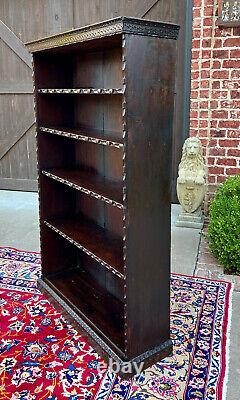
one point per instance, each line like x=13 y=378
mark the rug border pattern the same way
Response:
x=221 y=342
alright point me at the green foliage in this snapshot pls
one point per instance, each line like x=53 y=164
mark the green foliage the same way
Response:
x=224 y=225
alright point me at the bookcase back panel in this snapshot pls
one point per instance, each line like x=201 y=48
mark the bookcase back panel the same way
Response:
x=60 y=256
x=108 y=281
x=80 y=69
x=103 y=160
x=55 y=152
x=56 y=200
x=85 y=285
x=114 y=220
x=100 y=113
x=106 y=216
x=60 y=152
x=113 y=163
x=54 y=110
x=91 y=209
x=90 y=157
x=103 y=112
x=61 y=201
x=102 y=69
x=54 y=71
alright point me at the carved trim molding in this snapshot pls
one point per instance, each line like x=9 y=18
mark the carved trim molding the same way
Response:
x=77 y=319
x=150 y=28
x=84 y=138
x=114 y=26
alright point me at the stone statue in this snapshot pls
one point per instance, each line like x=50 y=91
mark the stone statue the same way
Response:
x=191 y=184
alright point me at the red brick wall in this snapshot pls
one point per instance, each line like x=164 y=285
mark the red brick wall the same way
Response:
x=215 y=94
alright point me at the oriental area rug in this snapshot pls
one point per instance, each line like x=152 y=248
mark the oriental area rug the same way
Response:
x=42 y=357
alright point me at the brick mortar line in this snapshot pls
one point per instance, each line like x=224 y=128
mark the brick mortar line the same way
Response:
x=200 y=55
x=209 y=99
x=215 y=4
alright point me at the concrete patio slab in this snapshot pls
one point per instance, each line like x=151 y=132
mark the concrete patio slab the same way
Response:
x=19 y=220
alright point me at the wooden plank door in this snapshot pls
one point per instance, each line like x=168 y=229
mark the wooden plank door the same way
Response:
x=17 y=145
x=21 y=21
x=31 y=20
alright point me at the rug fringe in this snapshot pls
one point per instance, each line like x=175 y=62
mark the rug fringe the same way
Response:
x=228 y=342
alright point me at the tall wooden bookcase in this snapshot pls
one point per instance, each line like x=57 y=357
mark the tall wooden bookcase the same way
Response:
x=104 y=99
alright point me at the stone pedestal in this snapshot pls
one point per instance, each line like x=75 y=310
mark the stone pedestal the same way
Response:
x=190 y=220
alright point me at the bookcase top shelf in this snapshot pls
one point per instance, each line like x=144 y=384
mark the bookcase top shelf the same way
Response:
x=115 y=26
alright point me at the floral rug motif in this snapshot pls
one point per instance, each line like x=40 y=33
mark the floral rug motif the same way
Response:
x=43 y=358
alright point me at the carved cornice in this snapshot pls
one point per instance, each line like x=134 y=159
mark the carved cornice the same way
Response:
x=111 y=27
x=150 y=28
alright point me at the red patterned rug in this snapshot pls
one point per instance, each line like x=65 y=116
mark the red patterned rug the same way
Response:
x=43 y=358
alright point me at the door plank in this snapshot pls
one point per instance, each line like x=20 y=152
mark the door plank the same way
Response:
x=16 y=88
x=14 y=137
x=15 y=44
x=27 y=185
x=145 y=8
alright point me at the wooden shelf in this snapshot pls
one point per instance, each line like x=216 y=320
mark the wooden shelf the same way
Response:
x=90 y=184
x=88 y=298
x=82 y=91
x=104 y=247
x=90 y=135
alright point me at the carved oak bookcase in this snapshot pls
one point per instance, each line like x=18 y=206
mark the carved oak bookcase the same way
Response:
x=104 y=98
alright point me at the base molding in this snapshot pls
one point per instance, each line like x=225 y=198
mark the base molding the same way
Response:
x=148 y=358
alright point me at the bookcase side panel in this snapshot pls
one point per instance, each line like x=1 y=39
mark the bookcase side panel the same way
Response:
x=150 y=69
